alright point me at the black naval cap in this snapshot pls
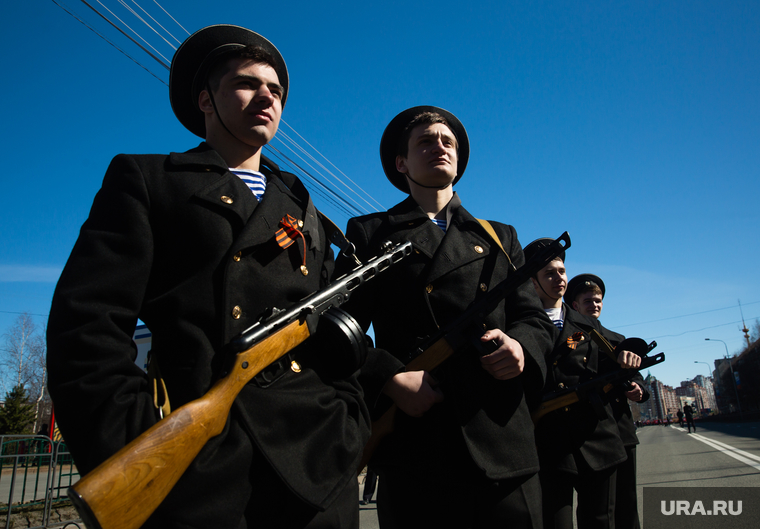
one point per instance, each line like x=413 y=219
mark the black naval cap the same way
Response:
x=198 y=55
x=532 y=249
x=575 y=285
x=389 y=143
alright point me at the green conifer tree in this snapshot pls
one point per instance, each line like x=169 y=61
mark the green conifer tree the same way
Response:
x=17 y=416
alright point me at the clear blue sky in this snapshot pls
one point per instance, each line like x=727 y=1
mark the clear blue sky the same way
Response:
x=633 y=125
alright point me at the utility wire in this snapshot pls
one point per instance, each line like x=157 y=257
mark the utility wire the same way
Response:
x=122 y=32
x=141 y=19
x=174 y=19
x=683 y=316
x=332 y=189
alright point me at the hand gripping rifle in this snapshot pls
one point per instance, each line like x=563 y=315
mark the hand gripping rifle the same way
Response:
x=123 y=491
x=461 y=332
x=590 y=391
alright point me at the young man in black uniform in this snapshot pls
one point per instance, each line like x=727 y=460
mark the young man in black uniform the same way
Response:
x=187 y=243
x=585 y=292
x=462 y=453
x=579 y=446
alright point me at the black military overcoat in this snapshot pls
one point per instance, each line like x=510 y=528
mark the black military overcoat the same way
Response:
x=621 y=410
x=443 y=276
x=182 y=244
x=569 y=435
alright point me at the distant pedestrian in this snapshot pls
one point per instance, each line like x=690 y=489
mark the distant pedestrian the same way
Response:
x=680 y=418
x=689 y=414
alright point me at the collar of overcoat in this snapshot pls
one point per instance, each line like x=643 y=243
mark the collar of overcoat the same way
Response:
x=456 y=248
x=261 y=219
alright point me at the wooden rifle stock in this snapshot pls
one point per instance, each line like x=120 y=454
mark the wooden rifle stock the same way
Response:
x=431 y=358
x=123 y=491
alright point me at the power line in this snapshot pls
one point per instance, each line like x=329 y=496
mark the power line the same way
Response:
x=85 y=24
x=337 y=192
x=695 y=330
x=683 y=316
x=122 y=32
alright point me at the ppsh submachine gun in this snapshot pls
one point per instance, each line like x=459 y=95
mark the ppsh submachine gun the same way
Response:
x=592 y=390
x=126 y=489
x=466 y=329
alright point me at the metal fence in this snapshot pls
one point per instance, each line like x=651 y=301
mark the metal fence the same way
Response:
x=35 y=472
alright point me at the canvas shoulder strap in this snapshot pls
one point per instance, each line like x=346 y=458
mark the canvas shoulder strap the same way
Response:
x=489 y=229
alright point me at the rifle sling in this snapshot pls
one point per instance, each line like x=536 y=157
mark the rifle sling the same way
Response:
x=489 y=229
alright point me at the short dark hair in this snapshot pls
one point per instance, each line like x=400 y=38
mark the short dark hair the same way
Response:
x=424 y=118
x=221 y=65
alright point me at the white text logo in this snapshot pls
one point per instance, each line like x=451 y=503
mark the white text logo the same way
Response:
x=684 y=507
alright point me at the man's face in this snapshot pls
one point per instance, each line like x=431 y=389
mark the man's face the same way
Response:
x=249 y=101
x=432 y=156
x=589 y=304
x=551 y=281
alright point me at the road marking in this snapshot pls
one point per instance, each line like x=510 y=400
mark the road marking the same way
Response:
x=740 y=455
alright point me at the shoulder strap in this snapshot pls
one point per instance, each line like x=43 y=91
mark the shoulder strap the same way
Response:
x=338 y=238
x=489 y=229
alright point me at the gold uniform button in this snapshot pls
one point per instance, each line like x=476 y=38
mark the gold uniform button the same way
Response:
x=584 y=360
x=300 y=223
x=304 y=270
x=237 y=312
x=226 y=199
x=429 y=289
x=237 y=256
x=483 y=287
x=556 y=362
x=295 y=367
x=561 y=385
x=478 y=249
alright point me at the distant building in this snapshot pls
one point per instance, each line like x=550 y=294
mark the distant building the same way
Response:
x=663 y=402
x=698 y=395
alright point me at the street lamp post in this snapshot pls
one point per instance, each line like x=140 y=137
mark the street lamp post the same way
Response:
x=731 y=367
x=708 y=367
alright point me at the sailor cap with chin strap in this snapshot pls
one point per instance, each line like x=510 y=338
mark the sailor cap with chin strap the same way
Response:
x=198 y=55
x=395 y=130
x=578 y=282
x=531 y=249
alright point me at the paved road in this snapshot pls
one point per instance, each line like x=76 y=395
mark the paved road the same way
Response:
x=716 y=455
x=367 y=513
x=30 y=484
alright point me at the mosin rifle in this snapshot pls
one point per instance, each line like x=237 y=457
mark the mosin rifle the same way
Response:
x=462 y=331
x=123 y=491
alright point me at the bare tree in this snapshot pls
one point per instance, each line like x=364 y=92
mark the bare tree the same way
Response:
x=754 y=332
x=22 y=360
